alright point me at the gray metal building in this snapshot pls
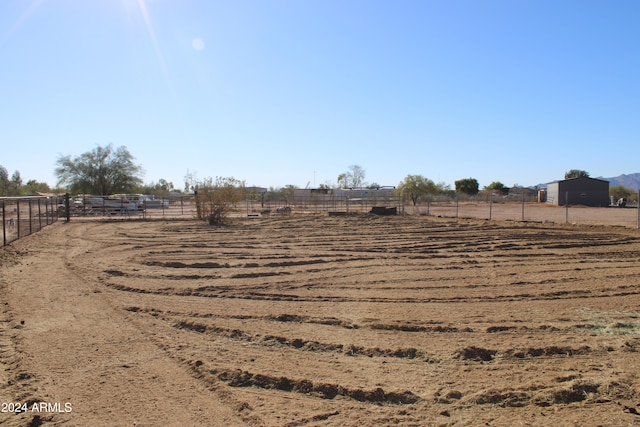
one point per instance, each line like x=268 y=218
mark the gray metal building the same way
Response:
x=579 y=191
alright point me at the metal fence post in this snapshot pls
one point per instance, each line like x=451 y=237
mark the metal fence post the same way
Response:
x=4 y=229
x=490 y=205
x=18 y=217
x=67 y=206
x=566 y=208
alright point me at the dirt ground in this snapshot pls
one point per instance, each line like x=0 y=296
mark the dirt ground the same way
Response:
x=321 y=321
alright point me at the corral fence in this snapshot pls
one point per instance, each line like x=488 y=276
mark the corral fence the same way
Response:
x=325 y=203
x=528 y=207
x=184 y=206
x=132 y=206
x=22 y=216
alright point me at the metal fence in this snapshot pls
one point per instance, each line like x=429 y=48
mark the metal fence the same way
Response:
x=528 y=208
x=132 y=206
x=325 y=203
x=184 y=206
x=22 y=216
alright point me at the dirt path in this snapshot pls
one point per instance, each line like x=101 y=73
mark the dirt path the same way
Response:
x=77 y=349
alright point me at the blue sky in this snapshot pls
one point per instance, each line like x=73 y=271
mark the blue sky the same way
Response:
x=294 y=92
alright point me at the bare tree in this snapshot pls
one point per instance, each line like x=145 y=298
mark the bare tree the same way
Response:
x=353 y=178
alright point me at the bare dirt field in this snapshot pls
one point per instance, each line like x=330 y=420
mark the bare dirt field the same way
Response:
x=321 y=321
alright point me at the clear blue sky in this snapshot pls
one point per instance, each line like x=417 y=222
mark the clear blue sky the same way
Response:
x=278 y=92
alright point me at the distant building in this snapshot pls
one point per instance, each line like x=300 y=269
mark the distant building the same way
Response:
x=578 y=191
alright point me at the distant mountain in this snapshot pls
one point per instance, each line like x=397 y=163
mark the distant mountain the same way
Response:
x=631 y=181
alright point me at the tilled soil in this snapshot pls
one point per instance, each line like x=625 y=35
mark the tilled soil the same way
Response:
x=322 y=321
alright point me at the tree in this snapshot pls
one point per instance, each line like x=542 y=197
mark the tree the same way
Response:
x=620 y=191
x=497 y=186
x=353 y=178
x=33 y=187
x=576 y=173
x=214 y=199
x=4 y=181
x=101 y=171
x=161 y=188
x=468 y=186
x=416 y=186
x=9 y=187
x=16 y=183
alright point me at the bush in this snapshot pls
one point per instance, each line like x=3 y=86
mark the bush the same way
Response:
x=214 y=199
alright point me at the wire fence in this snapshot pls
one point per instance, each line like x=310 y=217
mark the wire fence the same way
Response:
x=184 y=206
x=132 y=206
x=22 y=216
x=388 y=204
x=530 y=208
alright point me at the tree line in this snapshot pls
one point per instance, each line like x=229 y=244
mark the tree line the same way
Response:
x=108 y=170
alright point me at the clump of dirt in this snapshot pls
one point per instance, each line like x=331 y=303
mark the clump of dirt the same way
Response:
x=178 y=264
x=504 y=398
x=240 y=378
x=493 y=329
x=579 y=391
x=288 y=318
x=546 y=351
x=417 y=328
x=476 y=354
x=448 y=397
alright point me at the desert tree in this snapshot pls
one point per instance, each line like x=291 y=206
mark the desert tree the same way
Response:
x=33 y=187
x=10 y=186
x=576 y=173
x=416 y=186
x=620 y=191
x=216 y=198
x=101 y=171
x=352 y=178
x=160 y=188
x=468 y=186
x=5 y=183
x=497 y=186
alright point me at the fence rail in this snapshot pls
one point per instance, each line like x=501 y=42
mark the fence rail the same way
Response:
x=22 y=216
x=529 y=209
x=325 y=204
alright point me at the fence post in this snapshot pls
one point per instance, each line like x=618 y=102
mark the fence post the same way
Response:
x=18 y=217
x=490 y=204
x=457 y=205
x=638 y=204
x=67 y=206
x=523 y=204
x=566 y=208
x=4 y=229
x=39 y=216
x=30 y=218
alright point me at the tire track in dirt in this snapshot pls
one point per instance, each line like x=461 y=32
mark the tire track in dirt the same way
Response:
x=345 y=316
